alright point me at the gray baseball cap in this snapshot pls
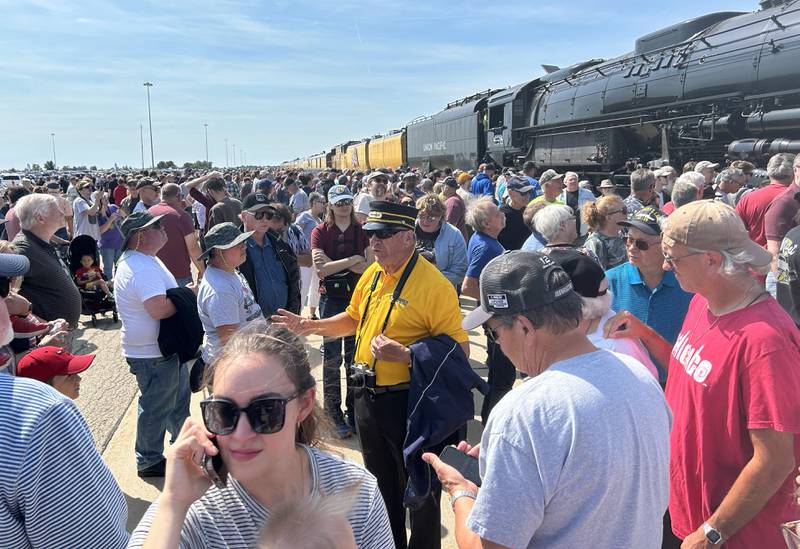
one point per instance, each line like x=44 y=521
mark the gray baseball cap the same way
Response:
x=549 y=175
x=513 y=283
x=223 y=236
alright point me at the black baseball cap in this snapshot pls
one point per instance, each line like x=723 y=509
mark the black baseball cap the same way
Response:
x=586 y=274
x=648 y=220
x=519 y=184
x=513 y=283
x=387 y=215
x=256 y=201
x=146 y=182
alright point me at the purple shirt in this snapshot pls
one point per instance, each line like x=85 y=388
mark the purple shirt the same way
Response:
x=112 y=238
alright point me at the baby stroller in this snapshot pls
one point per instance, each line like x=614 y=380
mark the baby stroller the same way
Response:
x=93 y=302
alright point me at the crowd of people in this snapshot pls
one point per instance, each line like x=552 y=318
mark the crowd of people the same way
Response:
x=641 y=338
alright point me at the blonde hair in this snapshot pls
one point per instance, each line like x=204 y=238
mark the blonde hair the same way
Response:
x=430 y=205
x=315 y=522
x=594 y=214
x=274 y=340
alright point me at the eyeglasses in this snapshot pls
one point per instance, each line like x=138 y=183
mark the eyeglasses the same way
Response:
x=344 y=203
x=380 y=180
x=265 y=414
x=263 y=214
x=622 y=210
x=382 y=234
x=640 y=244
x=429 y=218
x=669 y=260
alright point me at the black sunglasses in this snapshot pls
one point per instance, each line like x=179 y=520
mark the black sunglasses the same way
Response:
x=382 y=234
x=344 y=203
x=640 y=244
x=263 y=214
x=265 y=414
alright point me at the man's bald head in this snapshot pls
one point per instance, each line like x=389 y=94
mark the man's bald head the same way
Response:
x=170 y=192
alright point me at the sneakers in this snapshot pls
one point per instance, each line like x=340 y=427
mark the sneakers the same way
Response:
x=156 y=470
x=26 y=327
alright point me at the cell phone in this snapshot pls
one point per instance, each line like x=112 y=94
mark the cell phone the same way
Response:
x=214 y=468
x=465 y=463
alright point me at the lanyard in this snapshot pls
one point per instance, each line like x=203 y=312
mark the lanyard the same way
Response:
x=395 y=297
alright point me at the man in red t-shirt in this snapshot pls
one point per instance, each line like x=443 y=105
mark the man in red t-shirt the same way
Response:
x=182 y=248
x=780 y=216
x=733 y=385
x=754 y=205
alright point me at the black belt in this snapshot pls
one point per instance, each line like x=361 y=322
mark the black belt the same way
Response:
x=388 y=388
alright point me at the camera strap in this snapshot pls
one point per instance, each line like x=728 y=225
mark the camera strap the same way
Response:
x=395 y=297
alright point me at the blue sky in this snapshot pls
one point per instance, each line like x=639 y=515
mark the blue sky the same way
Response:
x=277 y=79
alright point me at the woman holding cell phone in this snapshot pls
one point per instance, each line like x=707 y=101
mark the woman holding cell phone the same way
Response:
x=264 y=421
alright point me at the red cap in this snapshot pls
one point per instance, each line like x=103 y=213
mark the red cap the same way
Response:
x=45 y=362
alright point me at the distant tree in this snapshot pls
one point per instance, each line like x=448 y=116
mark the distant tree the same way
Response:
x=93 y=168
x=49 y=166
x=163 y=165
x=36 y=167
x=65 y=168
x=198 y=165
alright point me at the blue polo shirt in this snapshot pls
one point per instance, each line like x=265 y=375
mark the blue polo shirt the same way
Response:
x=662 y=308
x=271 y=285
x=481 y=250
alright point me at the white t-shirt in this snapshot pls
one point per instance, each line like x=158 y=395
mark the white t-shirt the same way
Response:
x=582 y=451
x=139 y=277
x=81 y=219
x=362 y=203
x=223 y=299
x=626 y=346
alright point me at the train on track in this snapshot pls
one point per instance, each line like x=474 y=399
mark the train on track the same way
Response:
x=723 y=85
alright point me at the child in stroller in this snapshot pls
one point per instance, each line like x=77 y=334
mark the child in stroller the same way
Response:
x=96 y=296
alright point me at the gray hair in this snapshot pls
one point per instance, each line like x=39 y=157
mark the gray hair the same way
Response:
x=780 y=168
x=741 y=263
x=729 y=174
x=478 y=212
x=694 y=178
x=559 y=317
x=684 y=191
x=549 y=221
x=32 y=205
x=316 y=197
x=642 y=179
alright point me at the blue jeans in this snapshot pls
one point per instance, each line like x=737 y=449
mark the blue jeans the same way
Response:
x=109 y=257
x=163 y=404
x=332 y=363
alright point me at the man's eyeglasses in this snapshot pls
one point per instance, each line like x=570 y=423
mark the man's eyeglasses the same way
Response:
x=263 y=214
x=265 y=414
x=380 y=180
x=429 y=218
x=382 y=234
x=669 y=260
x=640 y=244
x=344 y=203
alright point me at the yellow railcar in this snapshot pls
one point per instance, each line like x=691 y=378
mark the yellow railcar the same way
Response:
x=357 y=156
x=388 y=151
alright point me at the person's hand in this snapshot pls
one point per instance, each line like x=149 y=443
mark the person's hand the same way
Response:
x=215 y=175
x=294 y=323
x=696 y=540
x=184 y=481
x=452 y=481
x=58 y=325
x=622 y=325
x=474 y=451
x=384 y=348
x=55 y=339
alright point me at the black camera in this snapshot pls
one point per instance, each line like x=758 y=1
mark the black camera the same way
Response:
x=361 y=376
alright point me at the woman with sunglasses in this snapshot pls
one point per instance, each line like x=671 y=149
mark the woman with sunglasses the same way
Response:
x=440 y=242
x=264 y=422
x=338 y=249
x=604 y=241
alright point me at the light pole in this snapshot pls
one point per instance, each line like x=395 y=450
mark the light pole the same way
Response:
x=234 y=155
x=141 y=143
x=53 y=139
x=226 y=153
x=149 y=85
x=206 y=127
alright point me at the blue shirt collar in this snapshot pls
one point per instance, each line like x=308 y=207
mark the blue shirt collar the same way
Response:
x=668 y=280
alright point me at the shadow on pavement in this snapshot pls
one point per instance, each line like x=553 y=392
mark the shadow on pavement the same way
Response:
x=136 y=510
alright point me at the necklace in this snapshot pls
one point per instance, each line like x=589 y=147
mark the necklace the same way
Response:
x=716 y=319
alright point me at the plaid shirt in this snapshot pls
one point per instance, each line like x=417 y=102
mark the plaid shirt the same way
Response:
x=233 y=188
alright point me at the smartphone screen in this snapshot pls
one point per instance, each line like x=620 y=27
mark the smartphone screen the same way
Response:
x=466 y=464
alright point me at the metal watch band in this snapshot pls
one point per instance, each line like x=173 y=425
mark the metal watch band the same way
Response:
x=461 y=494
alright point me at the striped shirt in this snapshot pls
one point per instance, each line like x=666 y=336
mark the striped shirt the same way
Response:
x=55 y=490
x=232 y=518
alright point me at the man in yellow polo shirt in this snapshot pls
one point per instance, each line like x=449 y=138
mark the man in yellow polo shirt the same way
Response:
x=427 y=306
x=552 y=184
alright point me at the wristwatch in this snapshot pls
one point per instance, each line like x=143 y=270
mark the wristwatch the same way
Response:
x=712 y=534
x=461 y=494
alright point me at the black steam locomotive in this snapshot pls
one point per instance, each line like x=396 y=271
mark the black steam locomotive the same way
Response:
x=724 y=84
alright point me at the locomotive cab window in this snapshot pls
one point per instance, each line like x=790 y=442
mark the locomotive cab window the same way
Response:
x=496 y=117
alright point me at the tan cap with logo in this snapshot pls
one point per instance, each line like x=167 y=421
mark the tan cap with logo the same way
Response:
x=712 y=225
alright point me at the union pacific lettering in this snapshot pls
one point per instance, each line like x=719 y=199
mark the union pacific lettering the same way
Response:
x=691 y=359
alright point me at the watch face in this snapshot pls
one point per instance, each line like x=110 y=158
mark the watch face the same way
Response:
x=713 y=536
